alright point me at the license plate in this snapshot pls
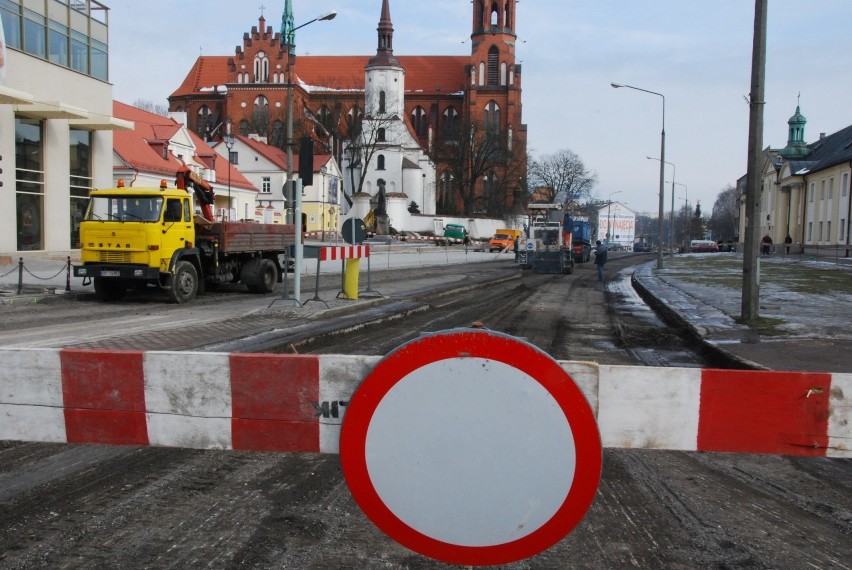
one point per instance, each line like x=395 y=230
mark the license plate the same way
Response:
x=110 y=273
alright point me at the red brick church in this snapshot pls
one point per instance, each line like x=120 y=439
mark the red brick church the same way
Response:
x=440 y=102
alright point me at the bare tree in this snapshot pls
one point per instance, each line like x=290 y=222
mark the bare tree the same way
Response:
x=562 y=176
x=723 y=219
x=468 y=155
x=366 y=136
x=151 y=107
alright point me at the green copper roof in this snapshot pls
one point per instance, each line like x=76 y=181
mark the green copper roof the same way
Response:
x=288 y=32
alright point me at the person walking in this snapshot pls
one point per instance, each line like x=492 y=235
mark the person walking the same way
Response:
x=600 y=258
x=766 y=244
x=788 y=241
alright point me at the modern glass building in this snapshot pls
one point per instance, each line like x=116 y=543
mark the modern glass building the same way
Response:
x=56 y=119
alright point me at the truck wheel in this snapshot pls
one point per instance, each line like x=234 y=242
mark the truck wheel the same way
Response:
x=260 y=275
x=109 y=289
x=184 y=283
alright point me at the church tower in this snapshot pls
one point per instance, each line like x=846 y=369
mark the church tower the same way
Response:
x=385 y=76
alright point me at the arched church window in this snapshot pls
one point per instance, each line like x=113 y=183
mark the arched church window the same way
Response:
x=492 y=118
x=481 y=73
x=380 y=162
x=504 y=72
x=382 y=102
x=450 y=122
x=203 y=125
x=495 y=15
x=260 y=116
x=261 y=68
x=325 y=128
x=493 y=65
x=420 y=121
x=380 y=135
x=507 y=17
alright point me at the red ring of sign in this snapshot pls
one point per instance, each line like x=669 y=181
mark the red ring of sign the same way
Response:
x=472 y=343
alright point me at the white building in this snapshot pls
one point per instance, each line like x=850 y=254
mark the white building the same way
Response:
x=56 y=120
x=617 y=224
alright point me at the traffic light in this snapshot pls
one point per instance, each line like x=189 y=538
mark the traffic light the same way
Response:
x=306 y=161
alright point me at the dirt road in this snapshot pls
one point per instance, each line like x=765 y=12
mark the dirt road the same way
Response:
x=99 y=507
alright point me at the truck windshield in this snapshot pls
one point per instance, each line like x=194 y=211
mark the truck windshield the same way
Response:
x=125 y=208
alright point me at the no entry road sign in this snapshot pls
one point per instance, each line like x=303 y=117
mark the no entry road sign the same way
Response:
x=471 y=447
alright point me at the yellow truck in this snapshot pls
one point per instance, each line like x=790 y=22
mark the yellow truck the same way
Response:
x=136 y=237
x=502 y=239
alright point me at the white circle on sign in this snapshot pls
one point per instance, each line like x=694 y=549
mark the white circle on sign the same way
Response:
x=473 y=470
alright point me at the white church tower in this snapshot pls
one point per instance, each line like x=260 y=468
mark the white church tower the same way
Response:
x=398 y=168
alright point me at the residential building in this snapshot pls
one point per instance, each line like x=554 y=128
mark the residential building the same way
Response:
x=158 y=147
x=265 y=167
x=55 y=144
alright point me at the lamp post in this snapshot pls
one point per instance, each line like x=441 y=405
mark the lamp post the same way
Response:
x=661 y=212
x=608 y=209
x=297 y=207
x=230 y=141
x=671 y=222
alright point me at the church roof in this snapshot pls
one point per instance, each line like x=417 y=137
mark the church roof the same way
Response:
x=429 y=75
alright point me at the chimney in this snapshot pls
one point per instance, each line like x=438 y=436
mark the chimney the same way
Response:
x=821 y=136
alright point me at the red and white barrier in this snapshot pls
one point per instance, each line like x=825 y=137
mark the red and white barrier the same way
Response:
x=295 y=403
x=344 y=252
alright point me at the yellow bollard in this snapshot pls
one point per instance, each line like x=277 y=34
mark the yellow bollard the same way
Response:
x=350 y=279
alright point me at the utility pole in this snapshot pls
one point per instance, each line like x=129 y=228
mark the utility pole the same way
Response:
x=753 y=192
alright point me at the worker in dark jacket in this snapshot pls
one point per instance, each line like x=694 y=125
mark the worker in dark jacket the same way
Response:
x=600 y=258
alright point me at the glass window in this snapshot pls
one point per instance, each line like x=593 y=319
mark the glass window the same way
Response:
x=79 y=52
x=380 y=162
x=10 y=13
x=58 y=44
x=34 y=33
x=80 y=180
x=100 y=61
x=831 y=188
x=29 y=183
x=844 y=185
x=266 y=186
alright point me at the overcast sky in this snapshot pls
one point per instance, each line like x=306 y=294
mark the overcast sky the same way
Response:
x=698 y=54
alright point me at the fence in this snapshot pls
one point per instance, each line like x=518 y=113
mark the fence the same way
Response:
x=21 y=268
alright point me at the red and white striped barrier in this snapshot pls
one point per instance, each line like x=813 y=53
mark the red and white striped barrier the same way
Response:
x=344 y=252
x=294 y=403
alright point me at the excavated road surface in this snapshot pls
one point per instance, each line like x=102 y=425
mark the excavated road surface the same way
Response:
x=65 y=506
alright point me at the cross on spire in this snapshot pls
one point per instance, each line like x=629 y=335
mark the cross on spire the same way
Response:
x=262 y=8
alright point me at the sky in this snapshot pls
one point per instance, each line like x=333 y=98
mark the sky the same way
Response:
x=697 y=54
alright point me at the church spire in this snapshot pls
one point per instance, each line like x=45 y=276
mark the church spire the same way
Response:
x=384 y=52
x=288 y=32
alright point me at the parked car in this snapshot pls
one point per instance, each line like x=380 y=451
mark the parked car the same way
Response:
x=703 y=246
x=615 y=247
x=642 y=247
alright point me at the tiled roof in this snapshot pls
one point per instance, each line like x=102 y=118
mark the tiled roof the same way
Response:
x=142 y=148
x=429 y=75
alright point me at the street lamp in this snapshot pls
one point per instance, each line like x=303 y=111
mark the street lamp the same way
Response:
x=608 y=209
x=671 y=224
x=662 y=168
x=230 y=141
x=297 y=207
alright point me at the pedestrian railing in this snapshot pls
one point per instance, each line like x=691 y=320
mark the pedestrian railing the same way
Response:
x=21 y=268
